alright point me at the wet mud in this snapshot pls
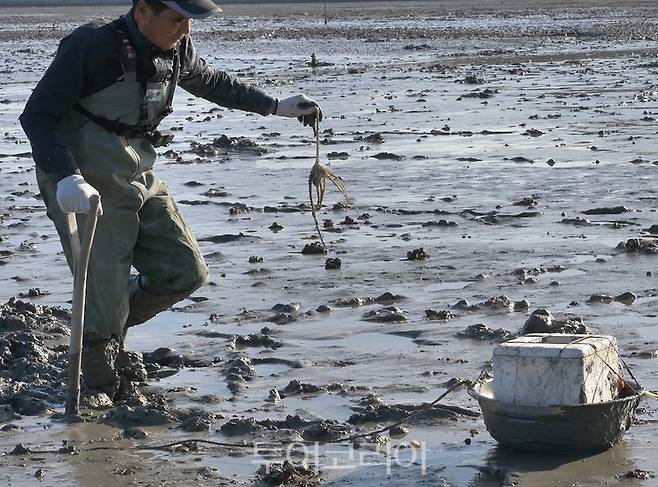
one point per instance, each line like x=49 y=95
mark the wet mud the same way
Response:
x=501 y=161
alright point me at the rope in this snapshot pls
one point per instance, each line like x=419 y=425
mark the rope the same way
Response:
x=338 y=440
x=650 y=394
x=408 y=417
x=638 y=391
x=251 y=445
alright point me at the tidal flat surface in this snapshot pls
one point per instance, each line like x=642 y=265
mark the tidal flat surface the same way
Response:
x=513 y=141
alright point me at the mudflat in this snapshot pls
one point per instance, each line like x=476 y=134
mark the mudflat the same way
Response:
x=502 y=166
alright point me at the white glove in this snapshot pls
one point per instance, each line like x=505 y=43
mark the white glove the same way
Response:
x=74 y=195
x=300 y=106
x=296 y=106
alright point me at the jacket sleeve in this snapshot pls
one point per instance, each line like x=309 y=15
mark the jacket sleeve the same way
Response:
x=217 y=86
x=50 y=101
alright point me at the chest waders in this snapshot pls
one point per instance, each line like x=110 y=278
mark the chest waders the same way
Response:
x=141 y=226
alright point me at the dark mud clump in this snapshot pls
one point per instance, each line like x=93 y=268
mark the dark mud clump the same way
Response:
x=482 y=332
x=388 y=314
x=614 y=210
x=639 y=246
x=627 y=298
x=372 y=410
x=481 y=94
x=417 y=254
x=503 y=303
x=197 y=420
x=541 y=321
x=317 y=429
x=240 y=426
x=286 y=313
x=526 y=276
x=286 y=308
x=389 y=298
x=638 y=474
x=23 y=315
x=254 y=340
x=126 y=416
x=375 y=138
x=439 y=223
x=168 y=357
x=225 y=145
x=388 y=156
x=384 y=298
x=33 y=357
x=294 y=474
x=326 y=430
x=600 y=298
x=130 y=365
x=464 y=305
x=314 y=248
x=238 y=371
x=296 y=387
x=438 y=314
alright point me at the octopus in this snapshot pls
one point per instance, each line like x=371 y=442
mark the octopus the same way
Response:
x=318 y=179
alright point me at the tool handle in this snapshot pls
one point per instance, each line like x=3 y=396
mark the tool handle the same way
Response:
x=81 y=252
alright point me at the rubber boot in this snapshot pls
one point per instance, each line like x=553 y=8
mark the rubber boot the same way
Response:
x=98 y=365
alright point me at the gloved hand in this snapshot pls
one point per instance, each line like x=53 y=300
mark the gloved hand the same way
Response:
x=300 y=106
x=74 y=195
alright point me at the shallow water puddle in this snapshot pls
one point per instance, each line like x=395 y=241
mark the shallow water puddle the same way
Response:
x=321 y=406
x=267 y=370
x=195 y=382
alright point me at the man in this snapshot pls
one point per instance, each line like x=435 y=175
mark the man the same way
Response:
x=92 y=121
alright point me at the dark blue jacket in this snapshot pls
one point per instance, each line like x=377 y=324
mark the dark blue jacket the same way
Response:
x=89 y=60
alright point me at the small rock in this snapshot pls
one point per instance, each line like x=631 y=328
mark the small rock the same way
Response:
x=480 y=331
x=438 y=314
x=286 y=308
x=387 y=314
x=375 y=138
x=389 y=298
x=315 y=248
x=600 y=298
x=332 y=263
x=274 y=396
x=464 y=305
x=417 y=254
x=626 y=298
x=196 y=423
x=255 y=259
x=388 y=155
x=541 y=321
x=638 y=474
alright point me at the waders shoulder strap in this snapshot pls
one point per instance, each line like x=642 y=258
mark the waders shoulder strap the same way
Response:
x=129 y=66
